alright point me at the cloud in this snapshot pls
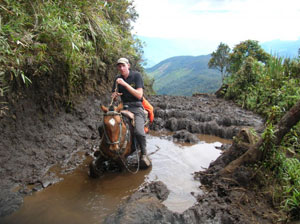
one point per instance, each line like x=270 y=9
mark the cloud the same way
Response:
x=229 y=21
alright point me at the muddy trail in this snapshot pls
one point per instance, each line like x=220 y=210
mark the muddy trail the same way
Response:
x=33 y=141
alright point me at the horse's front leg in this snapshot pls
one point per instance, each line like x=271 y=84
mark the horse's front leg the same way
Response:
x=97 y=167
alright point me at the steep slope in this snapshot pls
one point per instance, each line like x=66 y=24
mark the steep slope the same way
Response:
x=184 y=75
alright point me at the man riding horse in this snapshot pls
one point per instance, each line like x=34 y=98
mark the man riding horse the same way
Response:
x=129 y=85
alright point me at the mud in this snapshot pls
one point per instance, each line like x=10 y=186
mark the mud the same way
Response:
x=204 y=114
x=32 y=141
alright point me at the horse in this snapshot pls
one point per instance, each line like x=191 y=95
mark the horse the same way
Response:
x=117 y=142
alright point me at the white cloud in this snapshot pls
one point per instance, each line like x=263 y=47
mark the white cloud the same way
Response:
x=229 y=21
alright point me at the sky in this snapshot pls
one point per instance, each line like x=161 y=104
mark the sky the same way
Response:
x=210 y=22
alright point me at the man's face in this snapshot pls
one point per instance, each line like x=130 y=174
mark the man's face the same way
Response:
x=123 y=68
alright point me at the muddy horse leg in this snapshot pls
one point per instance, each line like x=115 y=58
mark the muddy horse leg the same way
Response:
x=97 y=167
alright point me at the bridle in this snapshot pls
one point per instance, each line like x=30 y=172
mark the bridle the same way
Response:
x=108 y=140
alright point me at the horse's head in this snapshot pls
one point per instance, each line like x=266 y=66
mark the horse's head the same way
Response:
x=112 y=121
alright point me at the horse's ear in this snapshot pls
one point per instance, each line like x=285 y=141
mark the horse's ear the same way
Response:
x=120 y=107
x=104 y=108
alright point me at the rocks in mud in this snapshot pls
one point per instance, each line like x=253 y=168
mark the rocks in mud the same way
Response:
x=202 y=115
x=49 y=179
x=144 y=206
x=185 y=136
x=158 y=189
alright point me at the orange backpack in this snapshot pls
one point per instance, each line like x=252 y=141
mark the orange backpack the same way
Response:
x=149 y=108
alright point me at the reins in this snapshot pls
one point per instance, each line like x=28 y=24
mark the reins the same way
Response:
x=138 y=162
x=112 y=99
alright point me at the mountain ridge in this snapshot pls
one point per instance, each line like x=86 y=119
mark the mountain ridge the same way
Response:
x=184 y=75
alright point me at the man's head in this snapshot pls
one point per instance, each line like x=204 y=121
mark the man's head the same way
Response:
x=123 y=66
x=123 y=61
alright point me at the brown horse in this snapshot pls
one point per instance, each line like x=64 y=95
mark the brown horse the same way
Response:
x=117 y=140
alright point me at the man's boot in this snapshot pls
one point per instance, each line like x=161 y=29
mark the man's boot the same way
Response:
x=145 y=161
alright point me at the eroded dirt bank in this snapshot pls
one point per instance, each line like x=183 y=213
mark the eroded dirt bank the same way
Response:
x=32 y=142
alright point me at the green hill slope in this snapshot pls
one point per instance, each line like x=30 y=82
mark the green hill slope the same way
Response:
x=184 y=75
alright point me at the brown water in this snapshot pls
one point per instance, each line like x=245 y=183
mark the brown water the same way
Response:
x=80 y=199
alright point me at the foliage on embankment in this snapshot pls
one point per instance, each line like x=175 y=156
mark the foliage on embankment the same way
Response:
x=269 y=85
x=54 y=50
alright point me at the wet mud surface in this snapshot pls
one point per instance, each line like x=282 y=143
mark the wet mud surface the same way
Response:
x=32 y=142
x=92 y=200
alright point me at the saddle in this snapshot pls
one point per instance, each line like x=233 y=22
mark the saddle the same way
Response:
x=130 y=115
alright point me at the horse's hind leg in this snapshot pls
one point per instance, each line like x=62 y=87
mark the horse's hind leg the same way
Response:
x=96 y=167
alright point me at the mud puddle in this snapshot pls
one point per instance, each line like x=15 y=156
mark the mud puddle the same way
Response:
x=80 y=199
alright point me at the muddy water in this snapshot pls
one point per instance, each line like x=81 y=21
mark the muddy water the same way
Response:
x=80 y=199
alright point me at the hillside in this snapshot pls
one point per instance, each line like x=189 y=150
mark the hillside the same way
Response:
x=184 y=75
x=170 y=48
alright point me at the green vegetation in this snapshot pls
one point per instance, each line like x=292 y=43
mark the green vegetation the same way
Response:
x=220 y=59
x=269 y=85
x=53 y=50
x=184 y=76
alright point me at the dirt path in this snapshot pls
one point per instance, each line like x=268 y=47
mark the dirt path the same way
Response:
x=32 y=142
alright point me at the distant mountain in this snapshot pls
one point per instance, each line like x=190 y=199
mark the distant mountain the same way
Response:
x=184 y=75
x=159 y=49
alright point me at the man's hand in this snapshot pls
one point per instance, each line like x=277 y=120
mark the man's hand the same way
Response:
x=114 y=95
x=121 y=81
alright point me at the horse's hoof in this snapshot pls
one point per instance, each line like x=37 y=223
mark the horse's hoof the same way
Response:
x=145 y=162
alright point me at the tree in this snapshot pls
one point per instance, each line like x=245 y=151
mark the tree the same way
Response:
x=220 y=59
x=248 y=48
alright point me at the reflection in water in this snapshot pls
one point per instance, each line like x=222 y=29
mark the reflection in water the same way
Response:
x=174 y=165
x=80 y=199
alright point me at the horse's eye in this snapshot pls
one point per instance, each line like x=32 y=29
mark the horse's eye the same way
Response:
x=112 y=122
